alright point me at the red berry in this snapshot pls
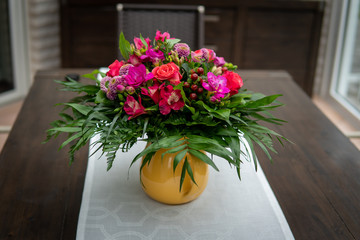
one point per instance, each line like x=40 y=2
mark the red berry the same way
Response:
x=193 y=96
x=200 y=71
x=201 y=80
x=200 y=90
x=186 y=84
x=224 y=69
x=192 y=71
x=194 y=87
x=194 y=76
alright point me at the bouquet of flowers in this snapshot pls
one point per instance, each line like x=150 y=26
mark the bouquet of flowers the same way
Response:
x=172 y=97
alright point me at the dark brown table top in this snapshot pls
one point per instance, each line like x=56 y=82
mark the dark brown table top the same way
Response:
x=316 y=180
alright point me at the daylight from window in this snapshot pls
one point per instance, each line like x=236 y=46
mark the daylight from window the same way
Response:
x=347 y=88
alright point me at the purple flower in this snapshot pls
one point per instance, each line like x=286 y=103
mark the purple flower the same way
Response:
x=208 y=54
x=153 y=56
x=125 y=69
x=182 y=49
x=104 y=83
x=137 y=76
x=203 y=55
x=219 y=61
x=216 y=84
x=109 y=86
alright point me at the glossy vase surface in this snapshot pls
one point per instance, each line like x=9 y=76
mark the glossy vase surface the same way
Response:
x=162 y=184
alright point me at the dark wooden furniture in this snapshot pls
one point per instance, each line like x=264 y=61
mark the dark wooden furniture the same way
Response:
x=182 y=21
x=316 y=180
x=261 y=34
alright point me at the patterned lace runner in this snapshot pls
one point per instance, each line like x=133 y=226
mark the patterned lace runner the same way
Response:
x=115 y=207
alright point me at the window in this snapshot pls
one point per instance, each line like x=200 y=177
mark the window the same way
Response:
x=346 y=85
x=14 y=63
x=6 y=76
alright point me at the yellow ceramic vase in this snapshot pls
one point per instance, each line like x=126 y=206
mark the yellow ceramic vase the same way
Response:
x=162 y=184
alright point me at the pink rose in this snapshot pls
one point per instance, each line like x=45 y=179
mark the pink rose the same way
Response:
x=169 y=71
x=114 y=68
x=234 y=82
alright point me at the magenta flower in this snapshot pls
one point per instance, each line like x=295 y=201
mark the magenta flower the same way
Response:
x=139 y=44
x=153 y=92
x=219 y=61
x=137 y=76
x=182 y=49
x=154 y=56
x=162 y=36
x=120 y=88
x=133 y=108
x=216 y=84
x=170 y=99
x=213 y=99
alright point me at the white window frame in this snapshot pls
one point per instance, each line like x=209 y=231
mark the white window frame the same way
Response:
x=344 y=49
x=19 y=52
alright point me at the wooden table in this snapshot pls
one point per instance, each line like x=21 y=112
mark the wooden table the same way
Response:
x=316 y=180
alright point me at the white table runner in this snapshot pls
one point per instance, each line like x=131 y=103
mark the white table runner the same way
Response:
x=115 y=207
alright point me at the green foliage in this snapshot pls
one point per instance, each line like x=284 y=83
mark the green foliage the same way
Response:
x=200 y=126
x=209 y=129
x=124 y=46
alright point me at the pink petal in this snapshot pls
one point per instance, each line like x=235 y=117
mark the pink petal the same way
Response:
x=164 y=107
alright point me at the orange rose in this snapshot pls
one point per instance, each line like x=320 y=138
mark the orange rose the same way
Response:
x=169 y=71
